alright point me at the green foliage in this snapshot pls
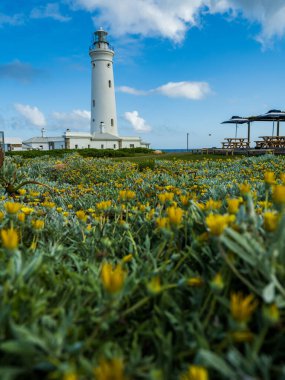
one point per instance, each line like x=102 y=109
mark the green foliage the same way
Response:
x=146 y=164
x=125 y=152
x=57 y=317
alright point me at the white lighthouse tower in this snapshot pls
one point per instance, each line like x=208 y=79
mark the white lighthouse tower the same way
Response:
x=103 y=103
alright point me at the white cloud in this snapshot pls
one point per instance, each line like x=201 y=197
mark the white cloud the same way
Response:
x=74 y=119
x=51 y=10
x=130 y=90
x=137 y=122
x=172 y=19
x=270 y=14
x=188 y=90
x=31 y=114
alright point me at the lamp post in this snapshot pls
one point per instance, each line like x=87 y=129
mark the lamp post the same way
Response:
x=187 y=140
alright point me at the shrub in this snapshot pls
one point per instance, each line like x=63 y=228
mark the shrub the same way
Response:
x=147 y=164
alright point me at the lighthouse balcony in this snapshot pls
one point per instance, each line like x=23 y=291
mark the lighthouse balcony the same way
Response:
x=101 y=45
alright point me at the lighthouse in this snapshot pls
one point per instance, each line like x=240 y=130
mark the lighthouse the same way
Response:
x=103 y=103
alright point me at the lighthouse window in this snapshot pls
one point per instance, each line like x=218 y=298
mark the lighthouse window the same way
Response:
x=102 y=146
x=112 y=122
x=93 y=120
x=93 y=103
x=108 y=64
x=110 y=84
x=94 y=65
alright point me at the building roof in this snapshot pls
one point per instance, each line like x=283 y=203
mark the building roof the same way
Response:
x=77 y=134
x=13 y=140
x=105 y=136
x=39 y=140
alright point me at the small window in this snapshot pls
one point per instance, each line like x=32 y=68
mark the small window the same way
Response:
x=110 y=84
x=132 y=145
x=112 y=122
x=93 y=102
x=108 y=64
x=94 y=65
x=93 y=120
x=102 y=146
x=76 y=146
x=115 y=146
x=88 y=146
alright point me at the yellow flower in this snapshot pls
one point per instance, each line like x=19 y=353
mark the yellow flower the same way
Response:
x=244 y=188
x=282 y=177
x=195 y=282
x=195 y=372
x=34 y=193
x=184 y=200
x=69 y=207
x=27 y=210
x=70 y=376
x=162 y=222
x=110 y=370
x=127 y=258
x=81 y=215
x=125 y=195
x=12 y=207
x=165 y=197
x=212 y=205
x=38 y=224
x=103 y=205
x=1 y=215
x=112 y=278
x=59 y=209
x=242 y=307
x=10 y=238
x=175 y=215
x=22 y=191
x=48 y=204
x=270 y=221
x=264 y=204
x=217 y=223
x=218 y=282
x=154 y=286
x=269 y=178
x=21 y=217
x=279 y=194
x=271 y=313
x=233 y=205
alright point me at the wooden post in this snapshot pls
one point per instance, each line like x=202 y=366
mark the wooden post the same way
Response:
x=248 y=133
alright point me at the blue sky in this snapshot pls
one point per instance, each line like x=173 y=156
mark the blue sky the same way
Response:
x=181 y=66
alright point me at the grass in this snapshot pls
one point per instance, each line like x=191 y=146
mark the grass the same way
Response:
x=177 y=156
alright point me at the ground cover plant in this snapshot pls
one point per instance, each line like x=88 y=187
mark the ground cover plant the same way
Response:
x=115 y=271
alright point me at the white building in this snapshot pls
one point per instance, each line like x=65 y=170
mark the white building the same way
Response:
x=103 y=126
x=44 y=143
x=12 y=144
